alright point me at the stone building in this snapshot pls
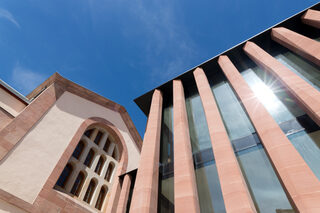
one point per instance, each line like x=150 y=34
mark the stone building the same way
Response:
x=64 y=149
x=237 y=133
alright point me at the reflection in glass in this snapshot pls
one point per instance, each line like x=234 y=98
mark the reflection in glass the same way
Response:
x=198 y=129
x=264 y=186
x=209 y=189
x=208 y=184
x=307 y=71
x=266 y=93
x=166 y=185
x=285 y=110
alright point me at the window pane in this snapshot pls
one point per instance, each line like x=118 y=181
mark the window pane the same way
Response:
x=64 y=176
x=281 y=111
x=88 y=196
x=285 y=111
x=198 y=129
x=88 y=133
x=89 y=158
x=209 y=189
x=308 y=146
x=263 y=183
x=166 y=185
x=77 y=152
x=109 y=172
x=101 y=198
x=99 y=166
x=208 y=184
x=107 y=145
x=264 y=186
x=307 y=71
x=98 y=137
x=235 y=119
x=78 y=184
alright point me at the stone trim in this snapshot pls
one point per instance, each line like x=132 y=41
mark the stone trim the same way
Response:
x=125 y=190
x=44 y=97
x=145 y=193
x=312 y=18
x=300 y=44
x=91 y=96
x=185 y=186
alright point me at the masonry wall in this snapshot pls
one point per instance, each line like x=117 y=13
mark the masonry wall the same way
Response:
x=26 y=168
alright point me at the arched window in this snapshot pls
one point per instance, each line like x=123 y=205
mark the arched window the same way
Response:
x=88 y=196
x=65 y=175
x=98 y=137
x=89 y=158
x=99 y=165
x=78 y=184
x=88 y=133
x=78 y=151
x=115 y=154
x=107 y=145
x=101 y=197
x=81 y=178
x=109 y=172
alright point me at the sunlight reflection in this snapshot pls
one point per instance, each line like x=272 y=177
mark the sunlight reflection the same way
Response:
x=264 y=93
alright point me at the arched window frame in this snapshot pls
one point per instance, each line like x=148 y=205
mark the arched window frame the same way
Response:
x=89 y=124
x=75 y=190
x=101 y=197
x=109 y=172
x=67 y=174
x=90 y=191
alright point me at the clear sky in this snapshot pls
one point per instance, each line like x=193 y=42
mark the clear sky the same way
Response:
x=121 y=49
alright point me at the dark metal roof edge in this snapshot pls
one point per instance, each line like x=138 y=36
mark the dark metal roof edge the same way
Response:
x=136 y=100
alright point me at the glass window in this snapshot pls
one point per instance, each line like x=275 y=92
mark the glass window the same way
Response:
x=235 y=119
x=166 y=184
x=89 y=158
x=109 y=172
x=307 y=71
x=209 y=189
x=88 y=196
x=288 y=115
x=267 y=95
x=198 y=129
x=101 y=197
x=78 y=151
x=98 y=137
x=78 y=184
x=88 y=133
x=99 y=165
x=208 y=184
x=65 y=175
x=107 y=145
x=263 y=184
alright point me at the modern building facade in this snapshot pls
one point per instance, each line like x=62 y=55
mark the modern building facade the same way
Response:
x=238 y=133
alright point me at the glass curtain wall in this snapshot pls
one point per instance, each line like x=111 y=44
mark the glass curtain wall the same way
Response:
x=166 y=185
x=306 y=70
x=264 y=186
x=208 y=184
x=303 y=133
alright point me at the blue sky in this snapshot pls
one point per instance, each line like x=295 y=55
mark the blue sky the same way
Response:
x=124 y=48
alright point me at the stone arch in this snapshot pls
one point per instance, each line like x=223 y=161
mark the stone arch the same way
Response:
x=115 y=189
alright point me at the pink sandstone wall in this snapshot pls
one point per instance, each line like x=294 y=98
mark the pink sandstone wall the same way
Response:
x=26 y=168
